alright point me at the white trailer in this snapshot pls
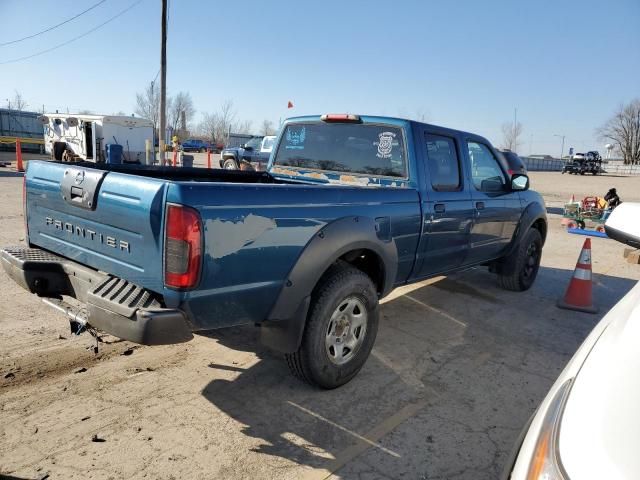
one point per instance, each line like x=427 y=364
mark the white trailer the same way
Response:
x=87 y=136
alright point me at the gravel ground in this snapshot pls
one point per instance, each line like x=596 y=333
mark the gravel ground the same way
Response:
x=458 y=367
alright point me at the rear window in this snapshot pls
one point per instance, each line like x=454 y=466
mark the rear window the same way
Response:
x=340 y=147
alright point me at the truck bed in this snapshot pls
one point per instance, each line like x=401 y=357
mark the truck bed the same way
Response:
x=254 y=227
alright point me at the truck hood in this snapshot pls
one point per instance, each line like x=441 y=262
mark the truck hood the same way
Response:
x=600 y=429
x=232 y=150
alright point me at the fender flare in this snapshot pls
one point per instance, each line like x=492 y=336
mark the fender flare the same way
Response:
x=531 y=214
x=283 y=328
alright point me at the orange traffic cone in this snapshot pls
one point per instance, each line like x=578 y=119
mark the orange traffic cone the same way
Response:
x=578 y=295
x=19 y=164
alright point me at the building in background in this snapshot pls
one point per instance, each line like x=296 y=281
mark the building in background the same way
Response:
x=17 y=123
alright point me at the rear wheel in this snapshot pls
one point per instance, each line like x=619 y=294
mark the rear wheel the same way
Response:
x=341 y=328
x=203 y=150
x=230 y=164
x=520 y=268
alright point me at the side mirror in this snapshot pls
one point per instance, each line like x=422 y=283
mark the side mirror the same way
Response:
x=622 y=224
x=519 y=182
x=248 y=148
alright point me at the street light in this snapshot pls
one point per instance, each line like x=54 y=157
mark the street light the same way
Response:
x=561 y=148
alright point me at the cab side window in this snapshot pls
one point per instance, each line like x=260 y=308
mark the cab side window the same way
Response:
x=442 y=163
x=486 y=173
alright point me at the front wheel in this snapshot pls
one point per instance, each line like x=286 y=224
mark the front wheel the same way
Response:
x=341 y=328
x=229 y=164
x=520 y=268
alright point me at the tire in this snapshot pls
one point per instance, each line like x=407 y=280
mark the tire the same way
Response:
x=229 y=164
x=344 y=296
x=581 y=224
x=203 y=150
x=522 y=265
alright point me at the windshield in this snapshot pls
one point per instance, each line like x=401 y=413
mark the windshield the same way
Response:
x=340 y=147
x=254 y=142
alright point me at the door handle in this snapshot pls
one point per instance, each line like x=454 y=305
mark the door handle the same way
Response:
x=439 y=208
x=479 y=205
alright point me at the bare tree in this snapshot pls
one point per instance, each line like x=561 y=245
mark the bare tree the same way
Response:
x=623 y=129
x=511 y=134
x=148 y=104
x=267 y=128
x=218 y=125
x=226 y=120
x=242 y=127
x=17 y=103
x=208 y=127
x=181 y=112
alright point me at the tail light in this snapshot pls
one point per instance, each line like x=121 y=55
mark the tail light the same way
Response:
x=182 y=247
x=341 y=117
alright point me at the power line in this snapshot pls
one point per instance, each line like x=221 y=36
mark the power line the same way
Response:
x=54 y=27
x=73 y=39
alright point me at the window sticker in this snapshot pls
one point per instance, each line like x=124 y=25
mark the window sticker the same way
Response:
x=295 y=140
x=385 y=144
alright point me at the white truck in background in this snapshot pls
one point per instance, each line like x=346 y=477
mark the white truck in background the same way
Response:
x=86 y=137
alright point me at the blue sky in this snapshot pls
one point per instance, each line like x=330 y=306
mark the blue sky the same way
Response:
x=565 y=65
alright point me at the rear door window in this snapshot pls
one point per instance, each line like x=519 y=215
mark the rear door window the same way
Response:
x=442 y=163
x=367 y=149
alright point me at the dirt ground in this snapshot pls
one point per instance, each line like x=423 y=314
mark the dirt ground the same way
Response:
x=458 y=367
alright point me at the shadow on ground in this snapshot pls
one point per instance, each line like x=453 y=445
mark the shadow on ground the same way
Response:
x=457 y=369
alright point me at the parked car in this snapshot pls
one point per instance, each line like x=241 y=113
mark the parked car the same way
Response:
x=255 y=152
x=588 y=425
x=350 y=208
x=515 y=163
x=577 y=157
x=195 y=145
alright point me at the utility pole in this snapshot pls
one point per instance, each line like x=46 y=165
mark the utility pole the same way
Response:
x=561 y=148
x=163 y=82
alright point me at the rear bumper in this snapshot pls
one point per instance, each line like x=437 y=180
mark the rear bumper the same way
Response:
x=113 y=305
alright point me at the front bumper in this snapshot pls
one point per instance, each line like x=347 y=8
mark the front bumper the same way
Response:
x=112 y=304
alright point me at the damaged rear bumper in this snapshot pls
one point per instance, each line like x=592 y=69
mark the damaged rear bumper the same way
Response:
x=111 y=304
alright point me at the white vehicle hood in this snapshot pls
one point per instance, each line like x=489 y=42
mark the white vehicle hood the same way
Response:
x=600 y=427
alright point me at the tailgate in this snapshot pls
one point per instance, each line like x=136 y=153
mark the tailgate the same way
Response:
x=106 y=220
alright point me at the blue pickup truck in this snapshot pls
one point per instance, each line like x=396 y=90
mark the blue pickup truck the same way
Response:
x=196 y=145
x=255 y=152
x=350 y=208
